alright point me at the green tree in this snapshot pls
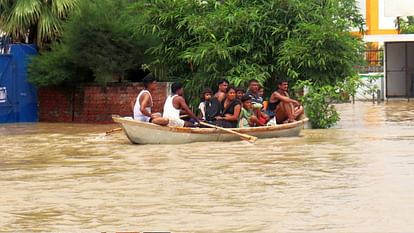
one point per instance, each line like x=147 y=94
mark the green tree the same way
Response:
x=202 y=41
x=97 y=44
x=41 y=19
x=406 y=25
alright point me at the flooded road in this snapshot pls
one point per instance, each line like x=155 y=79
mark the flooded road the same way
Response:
x=357 y=177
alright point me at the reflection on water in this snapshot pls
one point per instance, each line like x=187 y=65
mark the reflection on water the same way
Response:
x=356 y=177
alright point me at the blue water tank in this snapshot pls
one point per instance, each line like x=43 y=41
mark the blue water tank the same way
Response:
x=18 y=98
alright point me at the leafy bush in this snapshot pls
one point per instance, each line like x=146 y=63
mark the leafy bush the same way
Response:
x=202 y=41
x=318 y=104
x=318 y=100
x=98 y=41
x=406 y=25
x=56 y=67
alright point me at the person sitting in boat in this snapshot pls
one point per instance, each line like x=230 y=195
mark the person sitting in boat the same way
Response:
x=260 y=93
x=286 y=109
x=257 y=100
x=222 y=88
x=173 y=106
x=240 y=93
x=205 y=96
x=143 y=103
x=209 y=107
x=230 y=110
x=247 y=117
x=253 y=92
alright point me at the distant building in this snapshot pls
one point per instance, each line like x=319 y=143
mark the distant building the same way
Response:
x=398 y=57
x=374 y=13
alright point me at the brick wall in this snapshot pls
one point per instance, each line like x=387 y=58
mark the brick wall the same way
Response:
x=92 y=103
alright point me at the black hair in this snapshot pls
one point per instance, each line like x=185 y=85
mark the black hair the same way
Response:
x=245 y=98
x=175 y=87
x=253 y=81
x=229 y=88
x=240 y=89
x=148 y=80
x=280 y=81
x=222 y=81
x=205 y=91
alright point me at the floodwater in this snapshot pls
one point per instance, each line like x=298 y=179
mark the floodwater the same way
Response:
x=357 y=177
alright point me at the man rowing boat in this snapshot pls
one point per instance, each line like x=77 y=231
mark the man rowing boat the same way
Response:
x=173 y=106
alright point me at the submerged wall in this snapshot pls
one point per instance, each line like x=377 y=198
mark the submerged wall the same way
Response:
x=93 y=103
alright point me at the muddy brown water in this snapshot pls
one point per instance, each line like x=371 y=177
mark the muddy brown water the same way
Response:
x=356 y=177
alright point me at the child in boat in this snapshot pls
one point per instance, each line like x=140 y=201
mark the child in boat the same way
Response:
x=240 y=93
x=247 y=117
x=209 y=107
x=263 y=117
x=257 y=100
x=205 y=96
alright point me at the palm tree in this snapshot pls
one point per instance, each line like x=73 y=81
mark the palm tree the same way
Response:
x=41 y=20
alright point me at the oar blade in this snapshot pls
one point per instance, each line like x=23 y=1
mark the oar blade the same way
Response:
x=112 y=131
x=252 y=139
x=249 y=138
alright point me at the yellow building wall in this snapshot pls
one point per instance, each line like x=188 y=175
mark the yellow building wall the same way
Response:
x=373 y=18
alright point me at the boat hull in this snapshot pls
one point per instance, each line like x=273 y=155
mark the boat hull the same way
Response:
x=148 y=133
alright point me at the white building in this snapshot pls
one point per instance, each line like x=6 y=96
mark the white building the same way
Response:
x=380 y=16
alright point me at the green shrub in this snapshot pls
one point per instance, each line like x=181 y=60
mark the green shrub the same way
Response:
x=318 y=104
x=318 y=100
x=57 y=68
x=203 y=41
x=407 y=25
x=97 y=40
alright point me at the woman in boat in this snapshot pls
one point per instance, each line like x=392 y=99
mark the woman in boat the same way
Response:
x=230 y=110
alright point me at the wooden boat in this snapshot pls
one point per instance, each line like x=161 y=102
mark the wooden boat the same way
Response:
x=148 y=133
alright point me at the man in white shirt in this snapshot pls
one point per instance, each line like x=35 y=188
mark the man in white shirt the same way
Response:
x=173 y=106
x=143 y=104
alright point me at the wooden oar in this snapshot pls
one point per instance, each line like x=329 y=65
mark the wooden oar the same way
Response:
x=247 y=137
x=111 y=131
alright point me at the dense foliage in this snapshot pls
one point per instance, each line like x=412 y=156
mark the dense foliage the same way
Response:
x=203 y=41
x=40 y=20
x=198 y=42
x=97 y=45
x=406 y=25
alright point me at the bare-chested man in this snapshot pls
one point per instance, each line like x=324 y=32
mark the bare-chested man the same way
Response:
x=286 y=109
x=143 y=104
x=222 y=90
